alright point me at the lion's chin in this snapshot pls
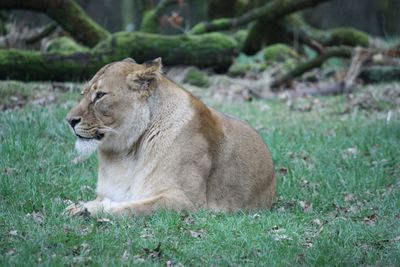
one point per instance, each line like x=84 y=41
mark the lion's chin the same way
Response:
x=86 y=147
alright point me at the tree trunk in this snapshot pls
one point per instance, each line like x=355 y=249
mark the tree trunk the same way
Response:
x=151 y=17
x=269 y=12
x=68 y=14
x=208 y=50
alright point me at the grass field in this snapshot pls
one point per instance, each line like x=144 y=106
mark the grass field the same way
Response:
x=338 y=169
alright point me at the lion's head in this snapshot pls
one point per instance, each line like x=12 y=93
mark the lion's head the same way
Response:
x=114 y=112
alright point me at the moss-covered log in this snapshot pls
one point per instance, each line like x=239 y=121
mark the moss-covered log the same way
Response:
x=64 y=45
x=265 y=32
x=209 y=50
x=68 y=14
x=341 y=51
x=279 y=52
x=271 y=11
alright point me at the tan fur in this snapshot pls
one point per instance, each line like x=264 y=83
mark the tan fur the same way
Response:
x=164 y=149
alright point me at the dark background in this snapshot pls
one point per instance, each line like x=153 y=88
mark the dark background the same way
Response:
x=377 y=17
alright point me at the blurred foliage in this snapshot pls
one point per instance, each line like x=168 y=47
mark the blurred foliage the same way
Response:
x=196 y=77
x=149 y=22
x=349 y=36
x=245 y=63
x=65 y=45
x=279 y=52
x=376 y=74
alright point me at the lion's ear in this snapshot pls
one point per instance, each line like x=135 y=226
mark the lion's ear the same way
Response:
x=153 y=65
x=147 y=78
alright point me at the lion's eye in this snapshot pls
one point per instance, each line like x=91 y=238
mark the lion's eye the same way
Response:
x=99 y=95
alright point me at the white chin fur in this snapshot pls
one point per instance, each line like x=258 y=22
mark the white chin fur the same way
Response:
x=85 y=148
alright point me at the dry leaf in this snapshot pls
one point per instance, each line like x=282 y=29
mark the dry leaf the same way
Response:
x=101 y=221
x=125 y=255
x=397 y=238
x=9 y=171
x=146 y=233
x=282 y=238
x=307 y=184
x=37 y=217
x=197 y=234
x=350 y=152
x=317 y=222
x=308 y=243
x=281 y=209
x=188 y=220
x=282 y=171
x=171 y=264
x=306 y=206
x=304 y=183
x=371 y=220
x=276 y=229
x=153 y=253
x=349 y=197
x=84 y=231
x=13 y=233
x=11 y=252
x=81 y=260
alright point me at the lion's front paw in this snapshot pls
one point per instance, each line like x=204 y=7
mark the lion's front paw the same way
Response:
x=77 y=209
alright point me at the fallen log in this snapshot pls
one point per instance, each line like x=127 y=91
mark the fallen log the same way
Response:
x=68 y=14
x=271 y=11
x=212 y=50
x=340 y=51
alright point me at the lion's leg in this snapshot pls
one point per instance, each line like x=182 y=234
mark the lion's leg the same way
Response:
x=172 y=200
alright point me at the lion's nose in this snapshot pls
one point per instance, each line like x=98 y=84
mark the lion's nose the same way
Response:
x=73 y=121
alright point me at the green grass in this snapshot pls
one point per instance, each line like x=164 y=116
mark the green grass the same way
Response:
x=346 y=165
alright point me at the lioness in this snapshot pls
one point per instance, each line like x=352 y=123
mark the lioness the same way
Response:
x=160 y=147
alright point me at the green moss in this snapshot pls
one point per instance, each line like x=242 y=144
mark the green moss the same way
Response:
x=204 y=27
x=197 y=78
x=244 y=64
x=279 y=52
x=349 y=36
x=198 y=28
x=149 y=22
x=240 y=36
x=239 y=69
x=205 y=50
x=65 y=45
x=221 y=22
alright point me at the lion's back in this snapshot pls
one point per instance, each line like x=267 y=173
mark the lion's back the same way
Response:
x=243 y=174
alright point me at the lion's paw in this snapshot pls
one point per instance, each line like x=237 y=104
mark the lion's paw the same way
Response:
x=77 y=209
